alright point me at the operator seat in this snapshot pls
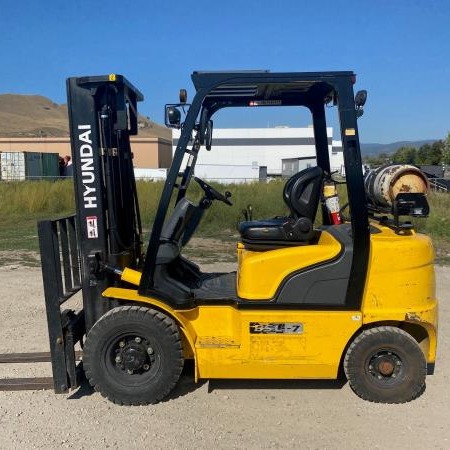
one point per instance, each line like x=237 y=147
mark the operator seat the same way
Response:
x=301 y=194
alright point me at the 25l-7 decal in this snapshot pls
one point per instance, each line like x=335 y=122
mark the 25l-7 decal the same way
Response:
x=276 y=328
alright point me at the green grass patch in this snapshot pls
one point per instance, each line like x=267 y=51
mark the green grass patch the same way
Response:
x=437 y=224
x=28 y=199
x=18 y=233
x=24 y=203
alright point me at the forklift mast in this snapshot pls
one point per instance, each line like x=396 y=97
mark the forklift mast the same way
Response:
x=102 y=116
x=105 y=231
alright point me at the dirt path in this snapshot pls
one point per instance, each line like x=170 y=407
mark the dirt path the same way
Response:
x=218 y=414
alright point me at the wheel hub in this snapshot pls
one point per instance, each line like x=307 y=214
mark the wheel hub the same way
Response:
x=133 y=354
x=385 y=365
x=133 y=357
x=386 y=368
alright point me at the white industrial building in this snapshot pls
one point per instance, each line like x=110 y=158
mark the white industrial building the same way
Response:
x=245 y=154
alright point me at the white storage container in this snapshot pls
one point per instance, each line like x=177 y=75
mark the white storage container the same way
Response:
x=19 y=166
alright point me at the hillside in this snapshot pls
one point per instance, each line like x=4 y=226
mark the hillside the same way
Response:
x=36 y=116
x=376 y=149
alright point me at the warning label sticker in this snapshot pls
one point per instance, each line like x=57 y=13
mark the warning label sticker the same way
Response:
x=92 y=228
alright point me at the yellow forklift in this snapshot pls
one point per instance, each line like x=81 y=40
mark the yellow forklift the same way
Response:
x=311 y=295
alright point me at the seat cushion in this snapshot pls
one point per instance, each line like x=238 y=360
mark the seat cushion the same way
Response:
x=283 y=229
x=262 y=229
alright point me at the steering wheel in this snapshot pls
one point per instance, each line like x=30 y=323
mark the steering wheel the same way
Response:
x=212 y=193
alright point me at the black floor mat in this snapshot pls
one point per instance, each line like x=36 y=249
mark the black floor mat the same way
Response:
x=216 y=286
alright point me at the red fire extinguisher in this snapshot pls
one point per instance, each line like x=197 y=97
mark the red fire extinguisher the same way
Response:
x=332 y=203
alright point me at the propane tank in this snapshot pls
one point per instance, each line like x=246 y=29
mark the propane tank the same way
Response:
x=383 y=184
x=332 y=203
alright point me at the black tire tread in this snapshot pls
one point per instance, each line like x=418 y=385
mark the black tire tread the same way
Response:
x=132 y=313
x=356 y=386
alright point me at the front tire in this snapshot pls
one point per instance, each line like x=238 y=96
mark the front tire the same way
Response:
x=385 y=365
x=133 y=355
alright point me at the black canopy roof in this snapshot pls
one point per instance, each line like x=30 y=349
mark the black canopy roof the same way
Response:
x=264 y=88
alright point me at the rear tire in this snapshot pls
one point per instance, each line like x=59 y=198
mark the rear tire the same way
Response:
x=133 y=355
x=385 y=365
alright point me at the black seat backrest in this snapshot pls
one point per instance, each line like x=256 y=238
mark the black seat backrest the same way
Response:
x=302 y=192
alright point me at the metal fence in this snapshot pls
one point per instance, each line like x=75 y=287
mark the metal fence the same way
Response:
x=439 y=184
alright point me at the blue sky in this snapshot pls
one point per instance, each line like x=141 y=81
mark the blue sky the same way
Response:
x=399 y=49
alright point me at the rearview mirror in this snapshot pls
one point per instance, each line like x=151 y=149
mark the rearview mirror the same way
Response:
x=173 y=117
x=360 y=98
x=360 y=101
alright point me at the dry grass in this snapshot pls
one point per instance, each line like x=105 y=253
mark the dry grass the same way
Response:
x=24 y=203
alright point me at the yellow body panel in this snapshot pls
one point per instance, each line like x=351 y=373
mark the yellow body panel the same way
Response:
x=223 y=346
x=236 y=353
x=400 y=284
x=399 y=291
x=261 y=273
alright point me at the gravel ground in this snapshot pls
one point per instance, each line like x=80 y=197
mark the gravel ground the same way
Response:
x=215 y=414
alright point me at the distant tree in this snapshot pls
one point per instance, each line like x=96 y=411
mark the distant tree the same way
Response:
x=437 y=150
x=378 y=160
x=385 y=158
x=446 y=151
x=405 y=155
x=430 y=154
x=423 y=154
